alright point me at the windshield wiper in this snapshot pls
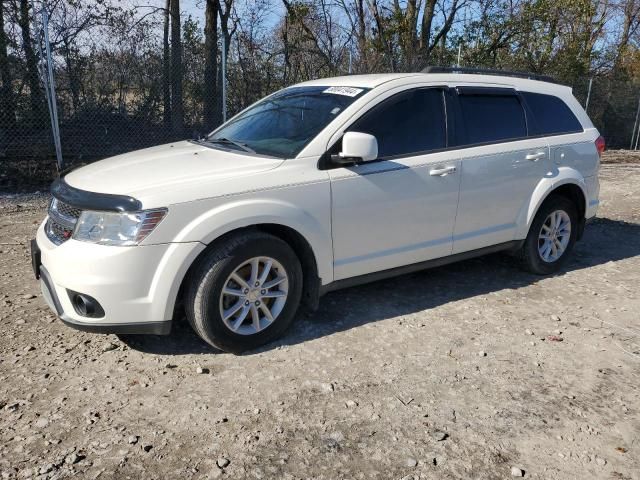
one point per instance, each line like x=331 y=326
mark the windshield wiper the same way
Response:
x=227 y=141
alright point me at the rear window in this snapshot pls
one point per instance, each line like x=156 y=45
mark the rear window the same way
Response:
x=552 y=115
x=490 y=118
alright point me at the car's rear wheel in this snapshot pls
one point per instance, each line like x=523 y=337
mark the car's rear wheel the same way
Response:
x=551 y=237
x=244 y=292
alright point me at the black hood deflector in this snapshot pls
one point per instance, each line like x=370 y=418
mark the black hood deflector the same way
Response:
x=93 y=200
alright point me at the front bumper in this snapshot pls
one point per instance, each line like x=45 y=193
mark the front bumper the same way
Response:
x=136 y=286
x=51 y=298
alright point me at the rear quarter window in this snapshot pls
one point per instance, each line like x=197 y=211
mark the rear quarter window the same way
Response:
x=552 y=116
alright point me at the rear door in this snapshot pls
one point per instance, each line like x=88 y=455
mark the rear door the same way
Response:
x=500 y=165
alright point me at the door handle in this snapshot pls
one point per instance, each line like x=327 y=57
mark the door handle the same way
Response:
x=534 y=157
x=441 y=172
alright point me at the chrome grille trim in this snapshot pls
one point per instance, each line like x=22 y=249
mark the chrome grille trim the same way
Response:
x=62 y=221
x=65 y=210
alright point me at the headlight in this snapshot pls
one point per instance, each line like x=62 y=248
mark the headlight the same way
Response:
x=112 y=228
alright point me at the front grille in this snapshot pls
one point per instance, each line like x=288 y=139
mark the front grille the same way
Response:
x=62 y=220
x=67 y=210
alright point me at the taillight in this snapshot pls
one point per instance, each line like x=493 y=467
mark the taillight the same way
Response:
x=600 y=145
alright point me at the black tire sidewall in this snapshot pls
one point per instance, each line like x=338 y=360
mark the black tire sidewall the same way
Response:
x=535 y=263
x=210 y=287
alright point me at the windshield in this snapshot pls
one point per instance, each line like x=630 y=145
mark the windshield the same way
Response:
x=283 y=124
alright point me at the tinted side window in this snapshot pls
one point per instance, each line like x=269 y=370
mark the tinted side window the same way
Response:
x=407 y=123
x=492 y=118
x=553 y=116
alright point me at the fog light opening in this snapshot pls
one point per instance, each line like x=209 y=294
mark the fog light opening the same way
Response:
x=83 y=305
x=86 y=306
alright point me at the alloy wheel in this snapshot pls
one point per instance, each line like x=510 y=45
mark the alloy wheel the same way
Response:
x=254 y=295
x=554 y=236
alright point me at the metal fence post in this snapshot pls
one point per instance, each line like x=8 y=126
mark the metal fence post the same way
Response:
x=50 y=87
x=224 y=78
x=586 y=104
x=635 y=126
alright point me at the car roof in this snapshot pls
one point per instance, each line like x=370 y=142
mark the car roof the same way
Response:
x=375 y=80
x=361 y=81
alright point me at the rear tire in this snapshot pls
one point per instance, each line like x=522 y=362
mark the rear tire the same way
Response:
x=551 y=237
x=244 y=292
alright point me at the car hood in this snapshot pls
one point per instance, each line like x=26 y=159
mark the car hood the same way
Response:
x=186 y=170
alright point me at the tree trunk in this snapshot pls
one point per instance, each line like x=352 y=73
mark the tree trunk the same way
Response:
x=166 y=67
x=225 y=16
x=7 y=105
x=33 y=80
x=425 y=34
x=177 y=107
x=212 y=114
x=362 y=37
x=408 y=32
x=285 y=50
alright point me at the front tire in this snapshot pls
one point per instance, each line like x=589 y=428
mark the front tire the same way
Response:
x=244 y=292
x=551 y=237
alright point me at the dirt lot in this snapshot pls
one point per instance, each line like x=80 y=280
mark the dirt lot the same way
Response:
x=448 y=373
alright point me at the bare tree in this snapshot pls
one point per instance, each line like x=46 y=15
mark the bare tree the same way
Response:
x=362 y=33
x=255 y=73
x=382 y=40
x=356 y=15
x=407 y=27
x=449 y=12
x=72 y=24
x=425 y=33
x=33 y=81
x=630 y=25
x=227 y=25
x=150 y=73
x=310 y=33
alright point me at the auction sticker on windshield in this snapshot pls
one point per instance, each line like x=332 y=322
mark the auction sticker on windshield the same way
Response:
x=348 y=91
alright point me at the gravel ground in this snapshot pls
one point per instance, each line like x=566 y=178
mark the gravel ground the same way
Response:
x=474 y=370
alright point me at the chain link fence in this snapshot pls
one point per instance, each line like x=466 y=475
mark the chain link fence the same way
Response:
x=613 y=106
x=112 y=101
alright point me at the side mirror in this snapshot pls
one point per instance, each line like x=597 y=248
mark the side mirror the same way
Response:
x=356 y=148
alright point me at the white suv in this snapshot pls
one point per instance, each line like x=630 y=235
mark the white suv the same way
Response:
x=322 y=185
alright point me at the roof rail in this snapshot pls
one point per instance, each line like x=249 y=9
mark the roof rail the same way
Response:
x=489 y=71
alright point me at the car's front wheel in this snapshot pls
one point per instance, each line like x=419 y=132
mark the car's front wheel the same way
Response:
x=244 y=292
x=551 y=237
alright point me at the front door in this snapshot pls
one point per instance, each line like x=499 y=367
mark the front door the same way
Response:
x=401 y=208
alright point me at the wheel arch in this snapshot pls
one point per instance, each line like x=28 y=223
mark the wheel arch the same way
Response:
x=308 y=261
x=298 y=242
x=568 y=183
